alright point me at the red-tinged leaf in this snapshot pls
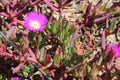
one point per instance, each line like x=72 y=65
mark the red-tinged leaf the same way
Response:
x=102 y=18
x=6 y=55
x=87 y=13
x=16 y=69
x=52 y=72
x=3 y=52
x=88 y=8
x=4 y=14
x=107 y=33
x=32 y=60
x=20 y=11
x=11 y=31
x=47 y=60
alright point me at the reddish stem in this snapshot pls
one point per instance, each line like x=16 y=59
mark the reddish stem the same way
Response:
x=19 y=12
x=102 y=18
x=4 y=14
x=6 y=55
x=31 y=53
x=51 y=5
x=34 y=3
x=16 y=69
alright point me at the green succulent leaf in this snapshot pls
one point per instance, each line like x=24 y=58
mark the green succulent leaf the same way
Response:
x=1 y=77
x=88 y=68
x=39 y=41
x=71 y=30
x=25 y=71
x=57 y=59
x=112 y=26
x=42 y=55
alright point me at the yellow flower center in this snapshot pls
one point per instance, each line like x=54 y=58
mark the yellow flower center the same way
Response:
x=34 y=24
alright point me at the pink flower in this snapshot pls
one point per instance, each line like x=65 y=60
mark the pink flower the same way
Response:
x=115 y=49
x=16 y=78
x=35 y=21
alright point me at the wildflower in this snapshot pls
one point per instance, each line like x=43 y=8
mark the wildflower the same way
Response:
x=35 y=21
x=115 y=48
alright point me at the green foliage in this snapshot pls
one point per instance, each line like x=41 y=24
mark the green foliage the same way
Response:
x=66 y=32
x=88 y=68
x=31 y=36
x=39 y=41
x=86 y=54
x=53 y=28
x=112 y=26
x=57 y=59
x=63 y=31
x=103 y=8
x=23 y=43
x=27 y=70
x=76 y=74
x=1 y=77
x=59 y=54
x=41 y=58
